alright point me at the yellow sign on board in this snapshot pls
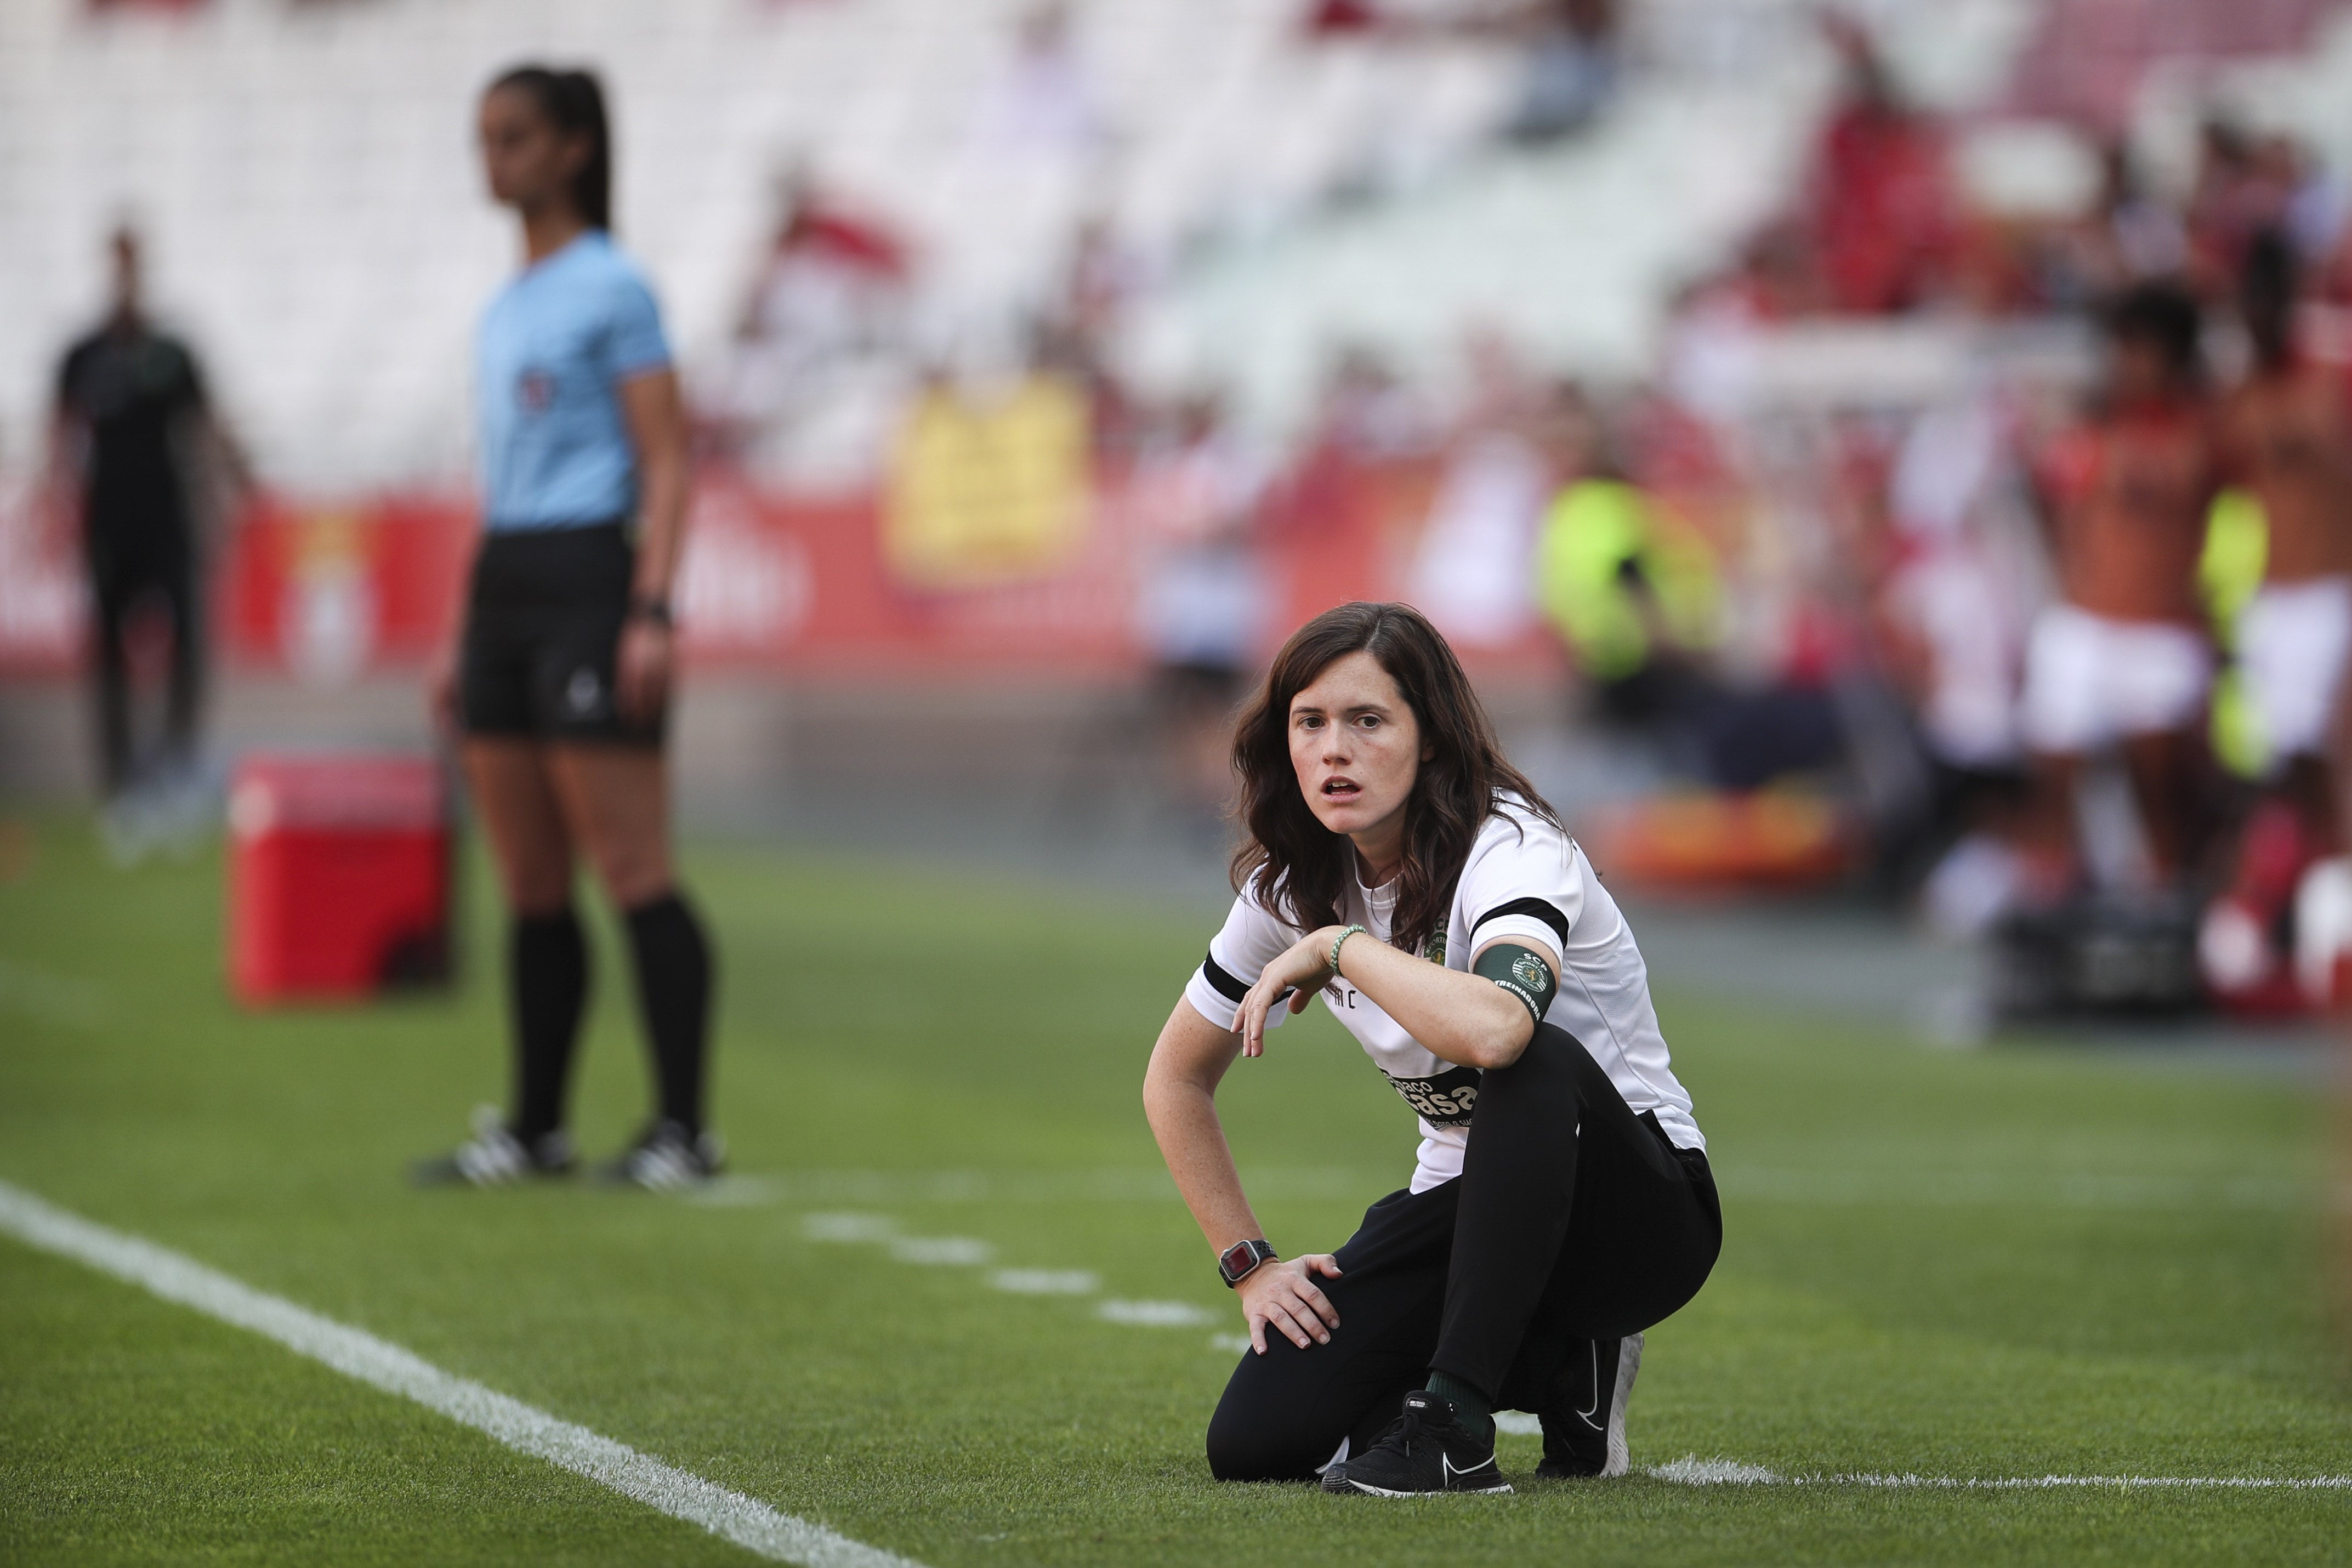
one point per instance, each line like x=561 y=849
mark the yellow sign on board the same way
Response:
x=988 y=491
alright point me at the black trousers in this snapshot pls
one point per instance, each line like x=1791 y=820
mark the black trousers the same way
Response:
x=122 y=575
x=1574 y=1220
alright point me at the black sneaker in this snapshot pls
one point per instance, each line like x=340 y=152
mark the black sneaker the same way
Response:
x=1428 y=1449
x=1584 y=1426
x=669 y=1159
x=495 y=1157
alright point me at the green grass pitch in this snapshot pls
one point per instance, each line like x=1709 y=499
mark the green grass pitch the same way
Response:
x=2009 y=1263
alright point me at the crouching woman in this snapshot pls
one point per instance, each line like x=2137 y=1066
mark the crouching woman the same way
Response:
x=1399 y=866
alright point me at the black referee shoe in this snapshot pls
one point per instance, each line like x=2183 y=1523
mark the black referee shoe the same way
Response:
x=1584 y=1426
x=495 y=1157
x=667 y=1159
x=1428 y=1449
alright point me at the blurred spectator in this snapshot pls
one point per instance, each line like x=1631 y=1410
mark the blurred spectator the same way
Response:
x=2122 y=659
x=2127 y=237
x=1633 y=593
x=834 y=286
x=1336 y=18
x=1368 y=411
x=1569 y=52
x=1515 y=447
x=1101 y=281
x=1204 y=604
x=131 y=412
x=1367 y=421
x=2287 y=427
x=2244 y=187
x=1879 y=206
x=1959 y=598
x=1955 y=608
x=1571 y=47
x=1044 y=102
x=2288 y=430
x=1103 y=278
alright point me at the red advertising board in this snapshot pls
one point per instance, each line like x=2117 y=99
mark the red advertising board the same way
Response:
x=328 y=591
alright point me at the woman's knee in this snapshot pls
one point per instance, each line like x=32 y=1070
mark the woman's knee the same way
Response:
x=1546 y=1073
x=1262 y=1450
x=1265 y=1428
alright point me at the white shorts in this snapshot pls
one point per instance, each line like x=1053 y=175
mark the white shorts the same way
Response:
x=2091 y=681
x=2292 y=641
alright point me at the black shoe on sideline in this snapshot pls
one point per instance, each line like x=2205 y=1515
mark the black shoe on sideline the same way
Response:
x=1584 y=1426
x=495 y=1157
x=667 y=1159
x=1428 y=1449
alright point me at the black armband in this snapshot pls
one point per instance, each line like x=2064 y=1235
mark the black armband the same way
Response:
x=1522 y=972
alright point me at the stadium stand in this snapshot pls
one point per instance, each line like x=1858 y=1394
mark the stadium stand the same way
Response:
x=304 y=175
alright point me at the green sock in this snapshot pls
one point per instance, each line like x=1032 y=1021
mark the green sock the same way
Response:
x=1468 y=1403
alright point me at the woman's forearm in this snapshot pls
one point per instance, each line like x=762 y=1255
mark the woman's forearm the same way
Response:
x=662 y=509
x=1463 y=1018
x=655 y=412
x=1184 y=1118
x=1180 y=1101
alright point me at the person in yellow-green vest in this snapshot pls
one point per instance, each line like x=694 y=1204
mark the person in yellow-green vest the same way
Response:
x=1633 y=597
x=1637 y=599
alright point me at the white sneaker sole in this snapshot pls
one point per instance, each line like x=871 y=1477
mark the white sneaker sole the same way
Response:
x=1629 y=1363
x=1451 y=1492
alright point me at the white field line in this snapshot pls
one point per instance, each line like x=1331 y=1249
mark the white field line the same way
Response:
x=1697 y=1472
x=355 y=1354
x=1833 y=1188
x=881 y=1229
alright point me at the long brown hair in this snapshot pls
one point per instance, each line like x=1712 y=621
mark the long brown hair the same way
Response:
x=573 y=103
x=1291 y=859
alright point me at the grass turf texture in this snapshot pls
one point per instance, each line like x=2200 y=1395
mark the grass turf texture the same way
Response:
x=1879 y=1307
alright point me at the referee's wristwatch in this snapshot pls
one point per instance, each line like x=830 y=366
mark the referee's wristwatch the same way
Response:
x=1239 y=1261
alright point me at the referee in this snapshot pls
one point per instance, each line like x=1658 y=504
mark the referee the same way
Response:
x=561 y=685
x=1562 y=1202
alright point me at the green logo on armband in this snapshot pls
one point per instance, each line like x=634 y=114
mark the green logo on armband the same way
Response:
x=1530 y=971
x=1433 y=949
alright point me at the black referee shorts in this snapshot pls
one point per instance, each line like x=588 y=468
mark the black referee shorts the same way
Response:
x=544 y=622
x=1574 y=1220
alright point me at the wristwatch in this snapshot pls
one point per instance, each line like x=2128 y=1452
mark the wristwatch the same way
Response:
x=645 y=608
x=1236 y=1262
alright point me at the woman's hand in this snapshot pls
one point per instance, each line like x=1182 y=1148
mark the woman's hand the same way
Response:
x=1302 y=970
x=641 y=670
x=1283 y=1296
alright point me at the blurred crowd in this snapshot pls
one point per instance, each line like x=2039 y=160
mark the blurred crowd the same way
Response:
x=2057 y=628
x=2066 y=622
x=2020 y=546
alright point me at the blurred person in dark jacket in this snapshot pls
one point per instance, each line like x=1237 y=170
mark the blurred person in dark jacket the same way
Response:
x=132 y=428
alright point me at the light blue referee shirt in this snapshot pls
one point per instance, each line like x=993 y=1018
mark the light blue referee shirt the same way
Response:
x=554 y=347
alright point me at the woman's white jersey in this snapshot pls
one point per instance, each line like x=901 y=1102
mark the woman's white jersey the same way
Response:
x=1523 y=878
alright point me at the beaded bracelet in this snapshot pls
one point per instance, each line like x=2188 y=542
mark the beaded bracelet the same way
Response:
x=1333 y=965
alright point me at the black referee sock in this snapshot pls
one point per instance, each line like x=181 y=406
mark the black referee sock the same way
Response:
x=674 y=995
x=547 y=967
x=1469 y=1402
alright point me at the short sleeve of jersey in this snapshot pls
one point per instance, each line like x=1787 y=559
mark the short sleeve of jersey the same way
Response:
x=633 y=343
x=1249 y=940
x=1522 y=879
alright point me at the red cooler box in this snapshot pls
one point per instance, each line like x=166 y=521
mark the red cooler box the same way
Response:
x=339 y=877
